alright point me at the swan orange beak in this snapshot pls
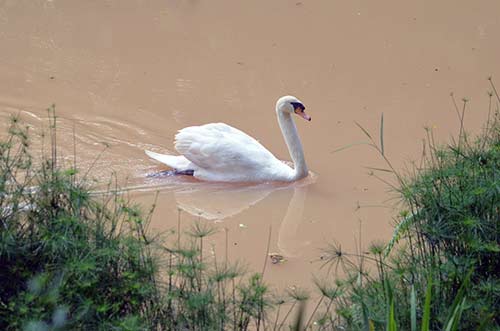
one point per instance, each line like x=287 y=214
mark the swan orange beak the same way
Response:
x=300 y=111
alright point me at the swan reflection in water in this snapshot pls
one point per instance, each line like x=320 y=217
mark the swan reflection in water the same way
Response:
x=219 y=201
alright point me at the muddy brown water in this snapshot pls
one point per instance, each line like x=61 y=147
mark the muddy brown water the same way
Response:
x=129 y=74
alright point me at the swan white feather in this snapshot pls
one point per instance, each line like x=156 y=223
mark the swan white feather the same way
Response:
x=219 y=152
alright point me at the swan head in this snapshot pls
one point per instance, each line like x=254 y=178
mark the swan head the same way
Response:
x=291 y=105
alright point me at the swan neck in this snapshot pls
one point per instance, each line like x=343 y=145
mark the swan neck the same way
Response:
x=289 y=131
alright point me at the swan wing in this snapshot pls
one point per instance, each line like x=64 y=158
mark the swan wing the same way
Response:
x=178 y=162
x=218 y=147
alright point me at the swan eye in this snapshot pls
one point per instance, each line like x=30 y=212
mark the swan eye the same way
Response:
x=297 y=106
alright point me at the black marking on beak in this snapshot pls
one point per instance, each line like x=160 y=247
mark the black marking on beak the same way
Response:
x=298 y=106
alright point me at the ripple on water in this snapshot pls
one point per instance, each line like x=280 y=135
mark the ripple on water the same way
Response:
x=105 y=147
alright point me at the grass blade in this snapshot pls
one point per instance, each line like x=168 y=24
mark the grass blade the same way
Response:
x=382 y=134
x=452 y=323
x=458 y=304
x=380 y=169
x=392 y=318
x=349 y=146
x=413 y=307
x=427 y=306
x=364 y=130
x=391 y=324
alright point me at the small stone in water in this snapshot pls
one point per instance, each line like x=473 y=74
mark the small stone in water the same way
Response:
x=276 y=258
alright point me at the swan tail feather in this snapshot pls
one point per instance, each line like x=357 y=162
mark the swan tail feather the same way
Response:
x=177 y=162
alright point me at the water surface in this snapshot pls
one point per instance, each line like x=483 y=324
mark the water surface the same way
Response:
x=129 y=74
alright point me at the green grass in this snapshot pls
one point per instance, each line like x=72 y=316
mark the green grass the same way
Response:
x=68 y=260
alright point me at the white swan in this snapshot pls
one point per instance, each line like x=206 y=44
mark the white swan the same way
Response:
x=219 y=152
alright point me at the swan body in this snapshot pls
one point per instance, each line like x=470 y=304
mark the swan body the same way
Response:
x=219 y=152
